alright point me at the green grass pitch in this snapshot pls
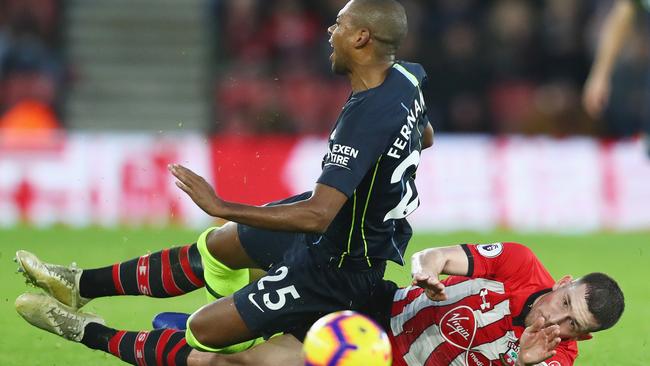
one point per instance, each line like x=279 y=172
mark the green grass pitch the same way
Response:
x=624 y=256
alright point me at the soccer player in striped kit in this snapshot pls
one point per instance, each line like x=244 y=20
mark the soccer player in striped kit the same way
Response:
x=478 y=315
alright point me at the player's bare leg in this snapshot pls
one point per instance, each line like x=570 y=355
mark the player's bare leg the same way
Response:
x=217 y=325
x=283 y=350
x=224 y=245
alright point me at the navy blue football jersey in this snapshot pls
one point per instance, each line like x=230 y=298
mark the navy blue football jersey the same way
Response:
x=374 y=151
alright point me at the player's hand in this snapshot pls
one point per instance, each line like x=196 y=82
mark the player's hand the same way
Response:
x=596 y=95
x=433 y=288
x=538 y=343
x=199 y=190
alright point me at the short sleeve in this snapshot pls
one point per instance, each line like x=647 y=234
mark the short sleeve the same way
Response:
x=500 y=261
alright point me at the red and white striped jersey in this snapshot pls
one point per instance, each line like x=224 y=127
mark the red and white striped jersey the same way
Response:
x=482 y=319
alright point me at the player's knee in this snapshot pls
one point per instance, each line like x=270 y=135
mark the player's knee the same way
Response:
x=201 y=333
x=198 y=334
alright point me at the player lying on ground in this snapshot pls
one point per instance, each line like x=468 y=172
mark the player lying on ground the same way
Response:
x=499 y=304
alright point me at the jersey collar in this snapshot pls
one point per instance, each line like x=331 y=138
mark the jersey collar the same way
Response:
x=520 y=320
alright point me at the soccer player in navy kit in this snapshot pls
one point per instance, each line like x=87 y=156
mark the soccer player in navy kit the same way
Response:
x=353 y=221
x=342 y=233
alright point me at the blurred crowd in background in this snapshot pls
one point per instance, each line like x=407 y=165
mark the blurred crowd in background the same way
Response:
x=502 y=66
x=497 y=66
x=32 y=66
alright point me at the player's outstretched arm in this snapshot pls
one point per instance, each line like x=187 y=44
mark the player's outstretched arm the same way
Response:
x=614 y=32
x=427 y=265
x=538 y=343
x=311 y=215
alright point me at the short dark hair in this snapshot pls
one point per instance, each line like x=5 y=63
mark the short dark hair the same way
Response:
x=386 y=20
x=604 y=299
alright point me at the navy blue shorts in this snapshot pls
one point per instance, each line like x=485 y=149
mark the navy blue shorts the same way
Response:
x=302 y=288
x=267 y=247
x=303 y=282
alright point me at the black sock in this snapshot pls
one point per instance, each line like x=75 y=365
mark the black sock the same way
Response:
x=169 y=272
x=159 y=347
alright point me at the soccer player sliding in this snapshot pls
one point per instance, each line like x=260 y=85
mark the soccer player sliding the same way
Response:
x=341 y=233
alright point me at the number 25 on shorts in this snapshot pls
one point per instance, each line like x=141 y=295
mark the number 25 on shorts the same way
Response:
x=282 y=293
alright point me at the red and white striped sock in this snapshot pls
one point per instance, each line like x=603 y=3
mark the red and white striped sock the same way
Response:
x=169 y=272
x=160 y=347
